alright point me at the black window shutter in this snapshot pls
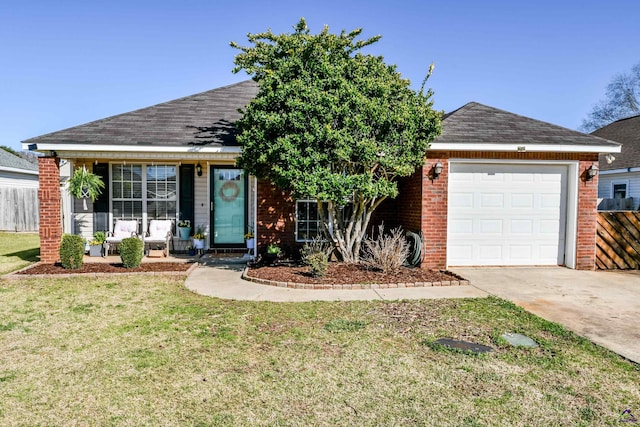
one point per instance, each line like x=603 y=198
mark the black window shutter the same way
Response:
x=187 y=192
x=101 y=205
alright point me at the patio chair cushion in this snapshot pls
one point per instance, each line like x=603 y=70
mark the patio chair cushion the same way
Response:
x=159 y=230
x=123 y=229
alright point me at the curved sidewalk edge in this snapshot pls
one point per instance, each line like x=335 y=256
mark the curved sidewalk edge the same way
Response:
x=224 y=281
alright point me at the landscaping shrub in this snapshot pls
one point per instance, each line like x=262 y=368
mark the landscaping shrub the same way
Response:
x=318 y=263
x=387 y=252
x=131 y=252
x=315 y=254
x=72 y=251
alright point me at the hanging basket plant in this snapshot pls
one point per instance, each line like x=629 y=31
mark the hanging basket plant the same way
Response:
x=85 y=185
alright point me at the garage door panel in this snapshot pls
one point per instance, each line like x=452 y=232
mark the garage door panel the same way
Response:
x=490 y=226
x=461 y=200
x=506 y=214
x=519 y=200
x=492 y=200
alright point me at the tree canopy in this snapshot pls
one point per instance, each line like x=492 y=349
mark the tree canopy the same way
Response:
x=622 y=100
x=332 y=124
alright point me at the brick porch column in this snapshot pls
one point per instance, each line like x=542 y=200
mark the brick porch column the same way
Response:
x=50 y=209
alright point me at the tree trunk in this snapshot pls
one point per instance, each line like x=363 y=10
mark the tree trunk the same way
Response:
x=346 y=230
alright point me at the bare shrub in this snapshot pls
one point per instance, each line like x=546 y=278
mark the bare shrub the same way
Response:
x=387 y=252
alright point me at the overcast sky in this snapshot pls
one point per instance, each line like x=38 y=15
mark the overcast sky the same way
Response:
x=67 y=62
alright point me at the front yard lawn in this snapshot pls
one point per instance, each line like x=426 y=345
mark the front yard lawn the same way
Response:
x=143 y=350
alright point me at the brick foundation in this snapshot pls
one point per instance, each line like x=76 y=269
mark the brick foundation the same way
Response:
x=50 y=209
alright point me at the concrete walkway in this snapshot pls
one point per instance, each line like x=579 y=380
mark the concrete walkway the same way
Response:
x=603 y=306
x=224 y=281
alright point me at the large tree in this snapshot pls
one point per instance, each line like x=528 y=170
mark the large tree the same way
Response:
x=332 y=124
x=622 y=100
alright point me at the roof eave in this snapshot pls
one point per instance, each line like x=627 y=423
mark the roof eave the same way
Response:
x=524 y=147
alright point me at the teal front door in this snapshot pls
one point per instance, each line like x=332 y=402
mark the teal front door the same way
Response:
x=229 y=206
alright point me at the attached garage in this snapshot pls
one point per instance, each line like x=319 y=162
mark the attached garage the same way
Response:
x=507 y=214
x=500 y=189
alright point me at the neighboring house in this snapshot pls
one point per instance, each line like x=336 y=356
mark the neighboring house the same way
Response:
x=620 y=178
x=511 y=190
x=18 y=193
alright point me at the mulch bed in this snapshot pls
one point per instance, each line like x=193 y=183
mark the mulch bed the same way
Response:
x=342 y=274
x=152 y=267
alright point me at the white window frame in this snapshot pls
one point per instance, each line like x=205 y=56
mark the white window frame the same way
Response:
x=620 y=182
x=297 y=221
x=144 y=199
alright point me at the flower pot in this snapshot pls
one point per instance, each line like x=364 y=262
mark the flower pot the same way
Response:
x=183 y=232
x=192 y=251
x=95 y=250
x=251 y=243
x=198 y=243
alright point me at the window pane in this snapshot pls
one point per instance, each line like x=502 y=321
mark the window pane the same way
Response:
x=302 y=211
x=171 y=191
x=117 y=190
x=151 y=190
x=117 y=172
x=136 y=173
x=313 y=211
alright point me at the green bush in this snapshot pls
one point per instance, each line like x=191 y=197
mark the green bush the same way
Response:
x=131 y=252
x=72 y=251
x=318 y=263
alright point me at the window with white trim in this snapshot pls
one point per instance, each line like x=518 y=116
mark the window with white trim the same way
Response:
x=619 y=189
x=161 y=191
x=143 y=192
x=308 y=225
x=126 y=191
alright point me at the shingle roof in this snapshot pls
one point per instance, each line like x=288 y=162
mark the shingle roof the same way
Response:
x=478 y=123
x=626 y=131
x=202 y=119
x=8 y=160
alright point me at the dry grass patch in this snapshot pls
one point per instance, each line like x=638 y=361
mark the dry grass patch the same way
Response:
x=145 y=351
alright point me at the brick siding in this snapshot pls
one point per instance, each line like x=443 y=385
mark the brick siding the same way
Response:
x=50 y=205
x=423 y=205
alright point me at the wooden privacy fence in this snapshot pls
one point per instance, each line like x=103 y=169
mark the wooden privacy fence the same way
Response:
x=618 y=241
x=19 y=209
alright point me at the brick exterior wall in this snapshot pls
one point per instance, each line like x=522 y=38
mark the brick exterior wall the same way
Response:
x=276 y=217
x=423 y=205
x=587 y=218
x=50 y=209
x=435 y=204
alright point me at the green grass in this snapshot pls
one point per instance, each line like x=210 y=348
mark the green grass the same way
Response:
x=131 y=351
x=135 y=351
x=17 y=250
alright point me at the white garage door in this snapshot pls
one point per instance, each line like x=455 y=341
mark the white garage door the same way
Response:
x=506 y=214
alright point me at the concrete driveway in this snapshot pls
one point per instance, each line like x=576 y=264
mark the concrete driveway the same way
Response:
x=603 y=306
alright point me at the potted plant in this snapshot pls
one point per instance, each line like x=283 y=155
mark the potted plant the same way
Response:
x=198 y=238
x=191 y=250
x=273 y=252
x=96 y=245
x=184 y=229
x=85 y=185
x=250 y=239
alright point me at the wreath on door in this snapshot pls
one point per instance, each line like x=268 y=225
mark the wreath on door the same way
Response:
x=229 y=191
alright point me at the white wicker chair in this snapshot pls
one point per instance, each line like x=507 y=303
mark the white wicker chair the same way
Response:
x=159 y=235
x=121 y=230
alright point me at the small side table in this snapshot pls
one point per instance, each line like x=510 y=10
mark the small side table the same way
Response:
x=180 y=245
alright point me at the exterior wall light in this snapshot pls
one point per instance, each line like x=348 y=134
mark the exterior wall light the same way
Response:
x=199 y=169
x=592 y=172
x=437 y=170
